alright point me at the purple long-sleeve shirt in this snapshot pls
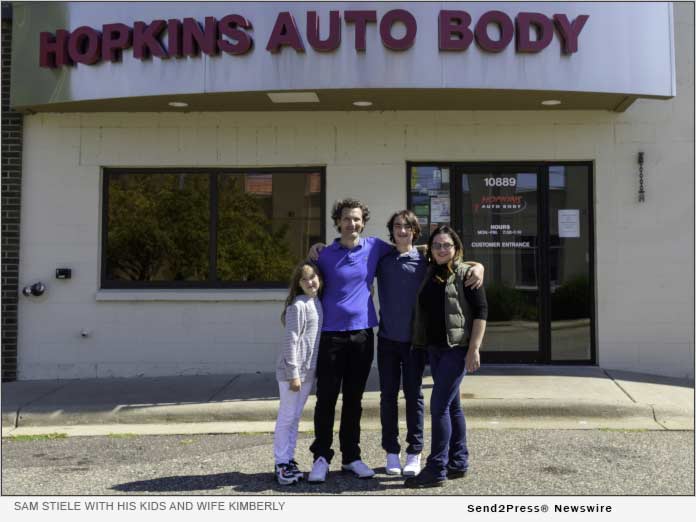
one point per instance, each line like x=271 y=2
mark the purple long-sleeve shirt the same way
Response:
x=348 y=276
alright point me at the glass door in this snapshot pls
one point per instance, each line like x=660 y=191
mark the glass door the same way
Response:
x=570 y=263
x=499 y=211
x=531 y=226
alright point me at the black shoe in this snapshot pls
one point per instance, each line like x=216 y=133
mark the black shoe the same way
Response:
x=455 y=473
x=295 y=470
x=424 y=480
x=284 y=476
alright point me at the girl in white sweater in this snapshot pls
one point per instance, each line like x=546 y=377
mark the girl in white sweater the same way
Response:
x=296 y=365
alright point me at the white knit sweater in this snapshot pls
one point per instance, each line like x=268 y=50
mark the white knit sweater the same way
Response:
x=300 y=349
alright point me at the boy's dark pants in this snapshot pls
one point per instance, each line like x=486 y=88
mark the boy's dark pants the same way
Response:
x=396 y=360
x=343 y=366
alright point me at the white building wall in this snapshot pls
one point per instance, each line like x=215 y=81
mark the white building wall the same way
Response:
x=644 y=251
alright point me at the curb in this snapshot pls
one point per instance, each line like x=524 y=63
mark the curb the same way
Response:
x=266 y=411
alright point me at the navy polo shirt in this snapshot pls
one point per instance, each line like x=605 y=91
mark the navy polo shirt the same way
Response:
x=348 y=276
x=399 y=277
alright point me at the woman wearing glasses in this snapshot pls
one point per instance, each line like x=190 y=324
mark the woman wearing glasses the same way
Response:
x=450 y=320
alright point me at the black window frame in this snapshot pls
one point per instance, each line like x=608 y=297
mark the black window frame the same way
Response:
x=213 y=173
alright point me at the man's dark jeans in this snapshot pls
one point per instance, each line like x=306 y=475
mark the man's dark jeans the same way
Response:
x=344 y=365
x=394 y=360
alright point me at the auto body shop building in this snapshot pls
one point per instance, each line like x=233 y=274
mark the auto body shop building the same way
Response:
x=168 y=165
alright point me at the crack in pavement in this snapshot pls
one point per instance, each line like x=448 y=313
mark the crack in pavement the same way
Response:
x=619 y=386
x=223 y=387
x=22 y=406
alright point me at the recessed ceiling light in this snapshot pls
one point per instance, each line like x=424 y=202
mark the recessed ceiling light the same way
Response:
x=178 y=104
x=551 y=102
x=362 y=103
x=293 y=97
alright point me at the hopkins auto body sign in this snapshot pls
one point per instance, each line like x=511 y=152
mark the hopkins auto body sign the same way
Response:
x=532 y=33
x=72 y=51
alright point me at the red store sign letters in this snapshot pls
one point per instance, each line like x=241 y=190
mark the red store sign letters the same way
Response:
x=532 y=32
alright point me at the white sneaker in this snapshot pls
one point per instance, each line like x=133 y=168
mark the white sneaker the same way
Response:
x=413 y=466
x=393 y=466
x=319 y=470
x=359 y=468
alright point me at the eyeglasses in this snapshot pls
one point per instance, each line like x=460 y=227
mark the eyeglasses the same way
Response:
x=405 y=226
x=442 y=246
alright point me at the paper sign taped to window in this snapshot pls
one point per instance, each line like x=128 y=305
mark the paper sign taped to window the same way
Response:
x=569 y=223
x=440 y=210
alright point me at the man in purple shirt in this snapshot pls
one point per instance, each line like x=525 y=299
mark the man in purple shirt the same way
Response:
x=346 y=349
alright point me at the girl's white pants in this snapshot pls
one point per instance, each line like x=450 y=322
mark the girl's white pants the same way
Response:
x=289 y=413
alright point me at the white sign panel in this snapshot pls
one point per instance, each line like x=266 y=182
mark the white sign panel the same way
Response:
x=569 y=223
x=440 y=209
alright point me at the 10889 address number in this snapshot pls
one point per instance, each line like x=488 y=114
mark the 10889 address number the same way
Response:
x=500 y=182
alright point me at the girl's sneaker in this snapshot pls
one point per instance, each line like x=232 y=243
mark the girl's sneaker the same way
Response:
x=284 y=475
x=292 y=466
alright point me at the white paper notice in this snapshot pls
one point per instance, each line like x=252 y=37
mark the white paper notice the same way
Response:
x=569 y=223
x=439 y=210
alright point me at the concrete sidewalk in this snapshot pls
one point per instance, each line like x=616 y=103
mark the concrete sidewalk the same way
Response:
x=545 y=397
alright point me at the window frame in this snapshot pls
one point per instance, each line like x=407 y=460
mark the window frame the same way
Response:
x=212 y=282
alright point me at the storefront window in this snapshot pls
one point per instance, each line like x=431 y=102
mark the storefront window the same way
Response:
x=203 y=229
x=158 y=227
x=266 y=223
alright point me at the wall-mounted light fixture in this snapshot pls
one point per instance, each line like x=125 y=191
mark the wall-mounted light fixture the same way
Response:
x=36 y=289
x=641 y=188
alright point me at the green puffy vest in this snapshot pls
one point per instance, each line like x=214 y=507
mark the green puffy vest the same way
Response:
x=458 y=317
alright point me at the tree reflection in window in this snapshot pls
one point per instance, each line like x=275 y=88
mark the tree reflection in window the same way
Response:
x=158 y=227
x=251 y=247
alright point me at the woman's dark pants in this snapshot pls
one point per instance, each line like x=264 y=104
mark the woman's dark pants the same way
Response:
x=394 y=361
x=448 y=447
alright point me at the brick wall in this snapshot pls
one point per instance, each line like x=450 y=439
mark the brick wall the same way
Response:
x=11 y=191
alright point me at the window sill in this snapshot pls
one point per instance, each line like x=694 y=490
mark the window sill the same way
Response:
x=217 y=295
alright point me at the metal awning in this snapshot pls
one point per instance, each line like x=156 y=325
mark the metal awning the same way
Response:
x=343 y=100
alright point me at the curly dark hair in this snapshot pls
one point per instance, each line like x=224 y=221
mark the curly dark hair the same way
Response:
x=337 y=211
x=458 y=246
x=407 y=216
